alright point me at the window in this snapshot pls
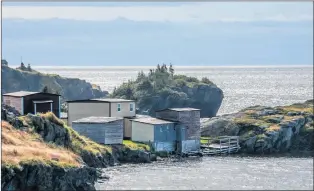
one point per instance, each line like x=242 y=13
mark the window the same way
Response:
x=118 y=107
x=131 y=107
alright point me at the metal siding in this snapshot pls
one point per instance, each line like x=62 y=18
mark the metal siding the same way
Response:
x=142 y=132
x=164 y=146
x=164 y=134
x=125 y=110
x=78 y=110
x=106 y=133
x=114 y=132
x=190 y=145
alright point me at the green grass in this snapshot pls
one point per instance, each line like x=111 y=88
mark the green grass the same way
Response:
x=135 y=145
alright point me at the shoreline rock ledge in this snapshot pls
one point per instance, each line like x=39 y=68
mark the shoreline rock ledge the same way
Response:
x=267 y=130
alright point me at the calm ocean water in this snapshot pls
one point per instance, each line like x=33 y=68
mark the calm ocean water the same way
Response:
x=242 y=87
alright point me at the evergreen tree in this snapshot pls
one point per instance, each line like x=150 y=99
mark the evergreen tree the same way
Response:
x=171 y=70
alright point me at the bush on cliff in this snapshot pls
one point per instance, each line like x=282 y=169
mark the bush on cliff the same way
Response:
x=161 y=88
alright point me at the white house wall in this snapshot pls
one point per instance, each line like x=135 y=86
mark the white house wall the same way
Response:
x=78 y=110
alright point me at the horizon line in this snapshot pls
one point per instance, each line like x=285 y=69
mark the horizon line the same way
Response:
x=175 y=66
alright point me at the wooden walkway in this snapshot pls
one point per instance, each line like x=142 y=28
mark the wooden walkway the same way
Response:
x=224 y=145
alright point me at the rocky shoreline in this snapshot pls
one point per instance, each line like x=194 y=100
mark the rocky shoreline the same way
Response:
x=267 y=130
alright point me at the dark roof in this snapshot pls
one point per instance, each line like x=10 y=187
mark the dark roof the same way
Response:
x=180 y=109
x=151 y=120
x=105 y=100
x=93 y=119
x=26 y=93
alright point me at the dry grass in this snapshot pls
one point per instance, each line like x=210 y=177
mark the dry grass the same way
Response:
x=297 y=108
x=274 y=127
x=135 y=146
x=80 y=143
x=19 y=146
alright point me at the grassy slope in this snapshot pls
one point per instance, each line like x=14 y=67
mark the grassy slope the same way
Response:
x=78 y=144
x=24 y=147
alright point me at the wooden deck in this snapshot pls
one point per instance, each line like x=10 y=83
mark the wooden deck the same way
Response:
x=226 y=145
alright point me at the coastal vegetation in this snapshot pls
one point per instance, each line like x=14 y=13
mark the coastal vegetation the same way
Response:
x=161 y=88
x=281 y=129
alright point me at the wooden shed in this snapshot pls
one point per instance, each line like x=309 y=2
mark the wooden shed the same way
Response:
x=188 y=128
x=105 y=130
x=33 y=102
x=160 y=134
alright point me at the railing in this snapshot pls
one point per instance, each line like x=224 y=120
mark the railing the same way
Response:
x=223 y=145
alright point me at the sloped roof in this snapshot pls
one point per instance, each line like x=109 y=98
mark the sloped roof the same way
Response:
x=152 y=120
x=106 y=100
x=25 y=93
x=93 y=119
x=180 y=109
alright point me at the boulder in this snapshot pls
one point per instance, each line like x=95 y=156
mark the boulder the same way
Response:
x=218 y=127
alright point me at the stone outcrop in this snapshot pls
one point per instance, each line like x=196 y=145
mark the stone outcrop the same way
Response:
x=261 y=129
x=69 y=88
x=34 y=177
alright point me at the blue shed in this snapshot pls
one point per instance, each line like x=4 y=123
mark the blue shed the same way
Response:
x=161 y=134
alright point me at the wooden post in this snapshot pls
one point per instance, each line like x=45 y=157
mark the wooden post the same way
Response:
x=229 y=146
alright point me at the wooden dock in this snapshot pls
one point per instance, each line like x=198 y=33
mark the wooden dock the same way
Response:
x=222 y=145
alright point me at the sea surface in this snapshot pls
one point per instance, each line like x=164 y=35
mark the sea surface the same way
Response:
x=213 y=173
x=242 y=87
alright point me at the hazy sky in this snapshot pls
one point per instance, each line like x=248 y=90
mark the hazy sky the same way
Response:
x=211 y=33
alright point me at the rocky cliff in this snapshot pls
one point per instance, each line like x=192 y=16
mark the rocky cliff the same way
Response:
x=39 y=152
x=162 y=89
x=261 y=129
x=69 y=88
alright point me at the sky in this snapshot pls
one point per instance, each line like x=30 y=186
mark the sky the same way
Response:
x=145 y=34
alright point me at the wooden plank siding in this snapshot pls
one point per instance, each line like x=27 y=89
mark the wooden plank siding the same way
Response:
x=105 y=133
x=15 y=102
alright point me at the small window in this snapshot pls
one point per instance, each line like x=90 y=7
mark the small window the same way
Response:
x=118 y=107
x=161 y=130
x=131 y=107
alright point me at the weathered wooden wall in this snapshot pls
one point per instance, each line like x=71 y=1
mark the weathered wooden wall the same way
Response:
x=106 y=133
x=191 y=121
x=15 y=102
